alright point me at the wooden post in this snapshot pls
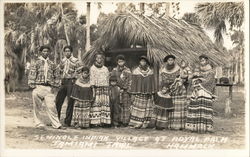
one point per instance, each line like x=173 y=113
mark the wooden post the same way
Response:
x=231 y=92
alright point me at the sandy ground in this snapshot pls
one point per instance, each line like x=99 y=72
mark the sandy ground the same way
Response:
x=20 y=133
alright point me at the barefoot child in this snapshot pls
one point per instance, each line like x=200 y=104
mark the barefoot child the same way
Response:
x=114 y=94
x=83 y=96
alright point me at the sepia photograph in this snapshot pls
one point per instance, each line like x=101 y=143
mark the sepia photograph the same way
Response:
x=160 y=76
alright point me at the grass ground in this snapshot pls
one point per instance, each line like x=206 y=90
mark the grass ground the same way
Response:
x=20 y=133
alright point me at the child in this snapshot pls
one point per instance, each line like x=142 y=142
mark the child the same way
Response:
x=83 y=96
x=185 y=73
x=114 y=101
x=123 y=75
x=196 y=71
x=163 y=110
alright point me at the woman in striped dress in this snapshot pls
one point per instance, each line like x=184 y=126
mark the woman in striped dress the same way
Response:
x=169 y=76
x=99 y=80
x=83 y=96
x=200 y=109
x=142 y=90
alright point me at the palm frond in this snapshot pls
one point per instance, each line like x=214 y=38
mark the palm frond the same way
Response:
x=161 y=36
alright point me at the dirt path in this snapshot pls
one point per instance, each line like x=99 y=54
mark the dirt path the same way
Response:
x=20 y=133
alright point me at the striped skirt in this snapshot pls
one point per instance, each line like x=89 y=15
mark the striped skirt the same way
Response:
x=100 y=109
x=161 y=118
x=141 y=110
x=178 y=117
x=125 y=106
x=200 y=113
x=81 y=113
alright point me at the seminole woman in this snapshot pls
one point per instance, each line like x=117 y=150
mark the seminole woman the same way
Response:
x=169 y=76
x=142 y=90
x=200 y=109
x=99 y=80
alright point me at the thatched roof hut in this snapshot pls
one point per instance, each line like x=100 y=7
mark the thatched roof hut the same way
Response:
x=158 y=35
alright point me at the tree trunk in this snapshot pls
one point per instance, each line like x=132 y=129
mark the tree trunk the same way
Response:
x=88 y=28
x=65 y=27
x=23 y=56
x=241 y=66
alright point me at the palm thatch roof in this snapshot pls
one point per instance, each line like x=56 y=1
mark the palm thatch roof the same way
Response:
x=161 y=35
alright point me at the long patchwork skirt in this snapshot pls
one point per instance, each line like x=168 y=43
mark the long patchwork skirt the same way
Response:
x=161 y=117
x=100 y=109
x=125 y=108
x=178 y=117
x=81 y=114
x=200 y=113
x=141 y=110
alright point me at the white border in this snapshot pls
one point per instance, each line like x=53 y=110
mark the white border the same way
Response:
x=108 y=152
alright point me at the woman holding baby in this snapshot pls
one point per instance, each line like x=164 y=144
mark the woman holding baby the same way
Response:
x=170 y=101
x=200 y=109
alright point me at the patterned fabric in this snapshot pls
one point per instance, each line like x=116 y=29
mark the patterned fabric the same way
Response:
x=178 y=117
x=100 y=110
x=209 y=74
x=43 y=72
x=167 y=77
x=99 y=76
x=123 y=76
x=200 y=112
x=141 y=111
x=69 y=67
x=171 y=79
x=115 y=104
x=200 y=109
x=162 y=111
x=81 y=114
x=142 y=81
x=83 y=96
x=82 y=90
x=125 y=107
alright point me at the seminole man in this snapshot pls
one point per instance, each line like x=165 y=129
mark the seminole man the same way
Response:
x=68 y=70
x=44 y=80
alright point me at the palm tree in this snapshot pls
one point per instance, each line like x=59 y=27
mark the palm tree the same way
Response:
x=191 y=18
x=88 y=27
x=214 y=15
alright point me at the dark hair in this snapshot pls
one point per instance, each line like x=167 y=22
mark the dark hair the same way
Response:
x=69 y=47
x=120 y=57
x=203 y=56
x=112 y=78
x=44 y=47
x=167 y=57
x=99 y=53
x=85 y=69
x=145 y=58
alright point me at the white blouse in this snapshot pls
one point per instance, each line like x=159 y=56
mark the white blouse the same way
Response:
x=99 y=76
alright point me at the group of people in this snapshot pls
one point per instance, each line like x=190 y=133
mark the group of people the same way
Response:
x=123 y=97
